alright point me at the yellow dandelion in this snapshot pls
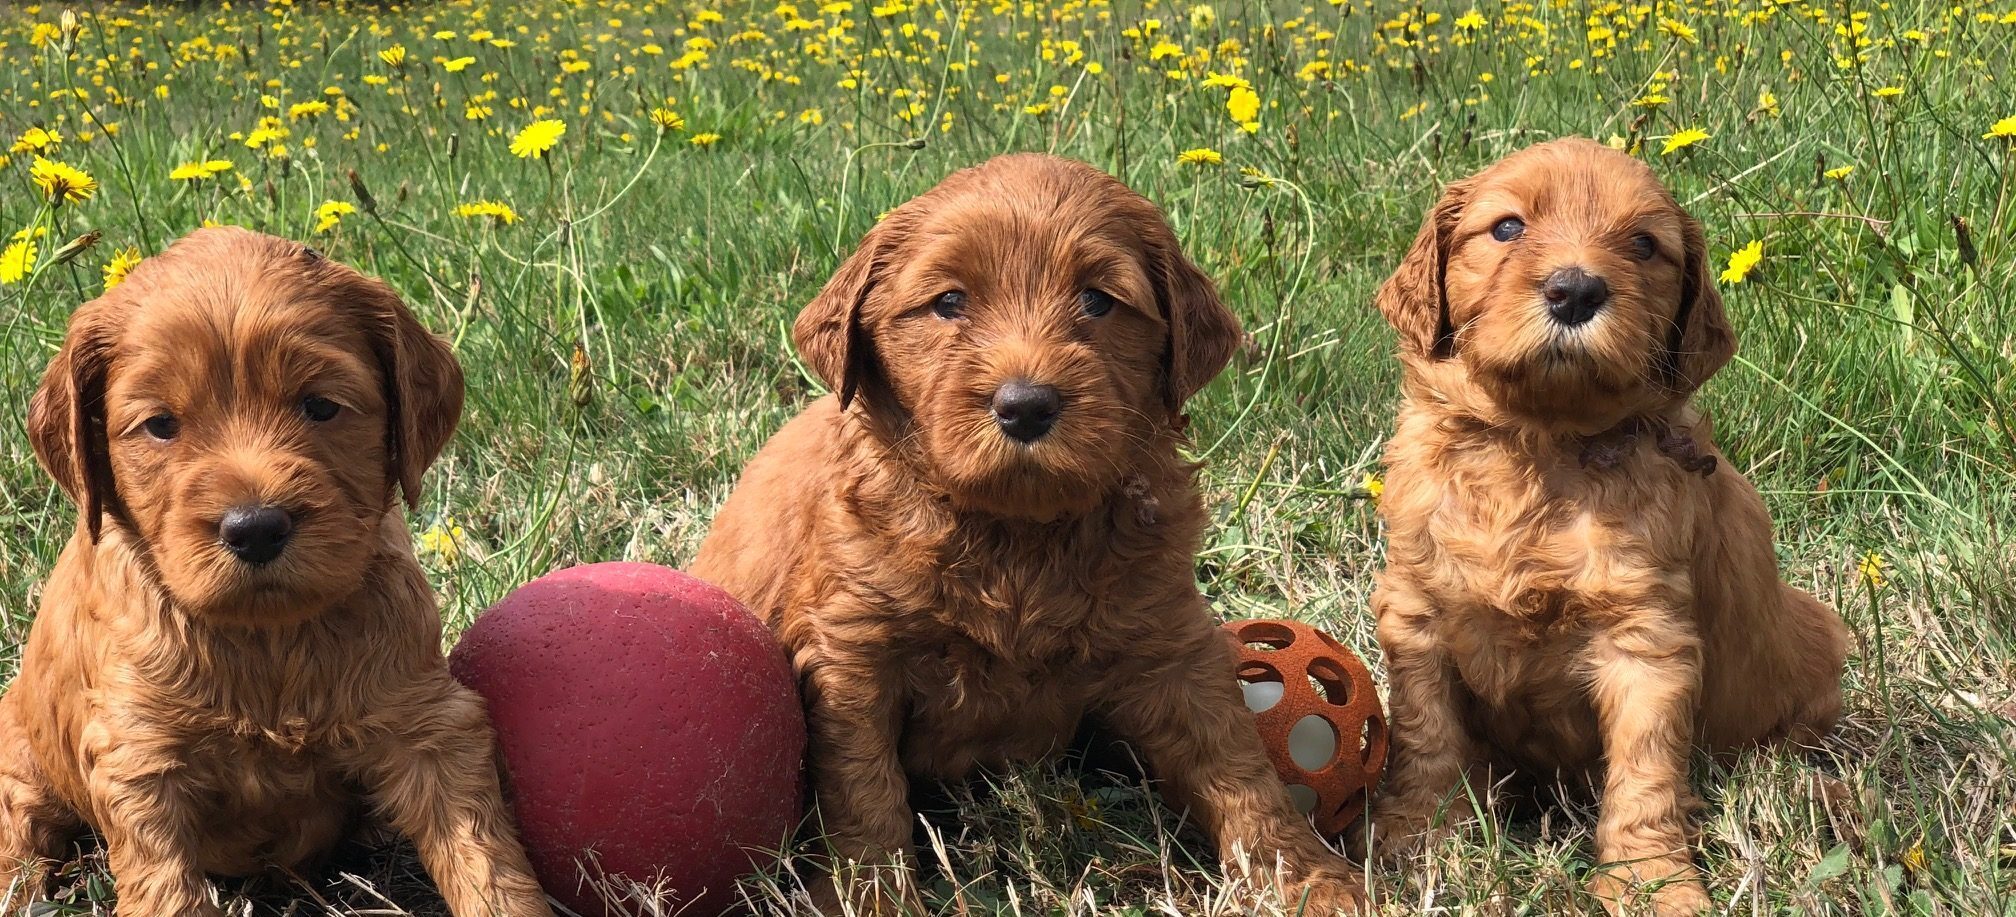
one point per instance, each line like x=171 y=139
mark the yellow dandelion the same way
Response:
x=2003 y=128
x=1742 y=261
x=1888 y=92
x=1683 y=140
x=1870 y=569
x=445 y=540
x=62 y=183
x=307 y=109
x=1373 y=485
x=35 y=140
x=330 y=213
x=538 y=138
x=667 y=119
x=1678 y=29
x=1470 y=21
x=394 y=55
x=708 y=139
x=1201 y=156
x=458 y=64
x=1839 y=173
x=495 y=210
x=16 y=260
x=1243 y=104
x=121 y=264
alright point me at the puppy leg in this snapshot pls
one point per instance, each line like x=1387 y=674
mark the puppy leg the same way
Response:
x=1187 y=718
x=853 y=717
x=1645 y=680
x=34 y=824
x=432 y=776
x=148 y=810
x=1432 y=748
x=1822 y=642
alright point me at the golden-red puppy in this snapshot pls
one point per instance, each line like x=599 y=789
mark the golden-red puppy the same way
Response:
x=987 y=534
x=1575 y=583
x=236 y=654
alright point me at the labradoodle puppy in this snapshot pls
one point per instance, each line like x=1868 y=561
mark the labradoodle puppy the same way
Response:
x=1576 y=584
x=236 y=654
x=988 y=533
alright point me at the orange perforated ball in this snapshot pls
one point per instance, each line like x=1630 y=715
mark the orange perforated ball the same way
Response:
x=1319 y=716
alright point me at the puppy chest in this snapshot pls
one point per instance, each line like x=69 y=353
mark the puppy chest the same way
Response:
x=265 y=806
x=968 y=708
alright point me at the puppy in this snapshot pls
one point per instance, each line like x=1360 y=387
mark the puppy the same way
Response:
x=1576 y=583
x=987 y=534
x=236 y=653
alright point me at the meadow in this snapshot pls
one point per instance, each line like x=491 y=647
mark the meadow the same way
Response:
x=615 y=207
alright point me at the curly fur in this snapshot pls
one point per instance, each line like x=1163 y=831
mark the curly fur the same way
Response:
x=205 y=715
x=1575 y=585
x=953 y=599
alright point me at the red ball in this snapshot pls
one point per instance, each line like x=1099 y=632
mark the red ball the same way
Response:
x=646 y=719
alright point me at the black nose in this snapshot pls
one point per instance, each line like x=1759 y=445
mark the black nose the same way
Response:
x=1574 y=295
x=1025 y=410
x=257 y=534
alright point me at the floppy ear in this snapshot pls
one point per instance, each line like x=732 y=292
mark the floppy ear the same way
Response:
x=1701 y=340
x=828 y=331
x=66 y=419
x=1413 y=299
x=1203 y=334
x=423 y=385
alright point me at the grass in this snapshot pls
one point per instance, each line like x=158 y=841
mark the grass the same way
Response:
x=625 y=335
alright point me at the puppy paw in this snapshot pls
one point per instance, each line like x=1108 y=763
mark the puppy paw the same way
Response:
x=1402 y=834
x=1326 y=893
x=1625 y=891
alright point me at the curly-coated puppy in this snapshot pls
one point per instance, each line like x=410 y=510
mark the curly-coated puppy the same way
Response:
x=1575 y=583
x=236 y=653
x=987 y=534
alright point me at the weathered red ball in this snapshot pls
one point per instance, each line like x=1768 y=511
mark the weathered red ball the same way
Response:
x=650 y=727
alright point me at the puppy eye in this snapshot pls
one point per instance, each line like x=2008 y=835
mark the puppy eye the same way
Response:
x=319 y=409
x=163 y=427
x=1508 y=229
x=1096 y=303
x=949 y=304
x=1643 y=247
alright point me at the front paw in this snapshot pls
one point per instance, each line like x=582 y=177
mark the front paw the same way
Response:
x=1651 y=888
x=1403 y=831
x=1325 y=893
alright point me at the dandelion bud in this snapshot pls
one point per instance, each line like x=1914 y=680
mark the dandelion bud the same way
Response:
x=70 y=27
x=77 y=246
x=363 y=194
x=454 y=145
x=580 y=380
x=1965 y=237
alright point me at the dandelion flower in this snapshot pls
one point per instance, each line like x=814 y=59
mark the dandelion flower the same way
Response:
x=1683 y=140
x=496 y=210
x=1742 y=261
x=1870 y=569
x=331 y=213
x=121 y=264
x=538 y=138
x=1372 y=485
x=64 y=184
x=1202 y=16
x=35 y=140
x=706 y=139
x=2003 y=128
x=1243 y=105
x=1201 y=156
x=445 y=540
x=16 y=260
x=668 y=120
x=1888 y=92
x=307 y=109
x=1678 y=29
x=1839 y=173
x=1470 y=21
x=458 y=64
x=393 y=56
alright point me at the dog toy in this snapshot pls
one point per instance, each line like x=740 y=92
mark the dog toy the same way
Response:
x=1319 y=716
x=651 y=733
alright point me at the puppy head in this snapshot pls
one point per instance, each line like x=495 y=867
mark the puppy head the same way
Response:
x=1026 y=328
x=247 y=411
x=1569 y=284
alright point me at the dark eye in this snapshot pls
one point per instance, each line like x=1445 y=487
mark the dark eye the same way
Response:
x=319 y=409
x=949 y=304
x=1643 y=247
x=1507 y=229
x=163 y=427
x=1096 y=303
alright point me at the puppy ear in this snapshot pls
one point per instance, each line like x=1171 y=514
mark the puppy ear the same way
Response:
x=828 y=331
x=66 y=418
x=1203 y=334
x=1413 y=299
x=423 y=385
x=1701 y=340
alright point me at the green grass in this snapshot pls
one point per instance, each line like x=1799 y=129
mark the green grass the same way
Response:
x=1872 y=402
